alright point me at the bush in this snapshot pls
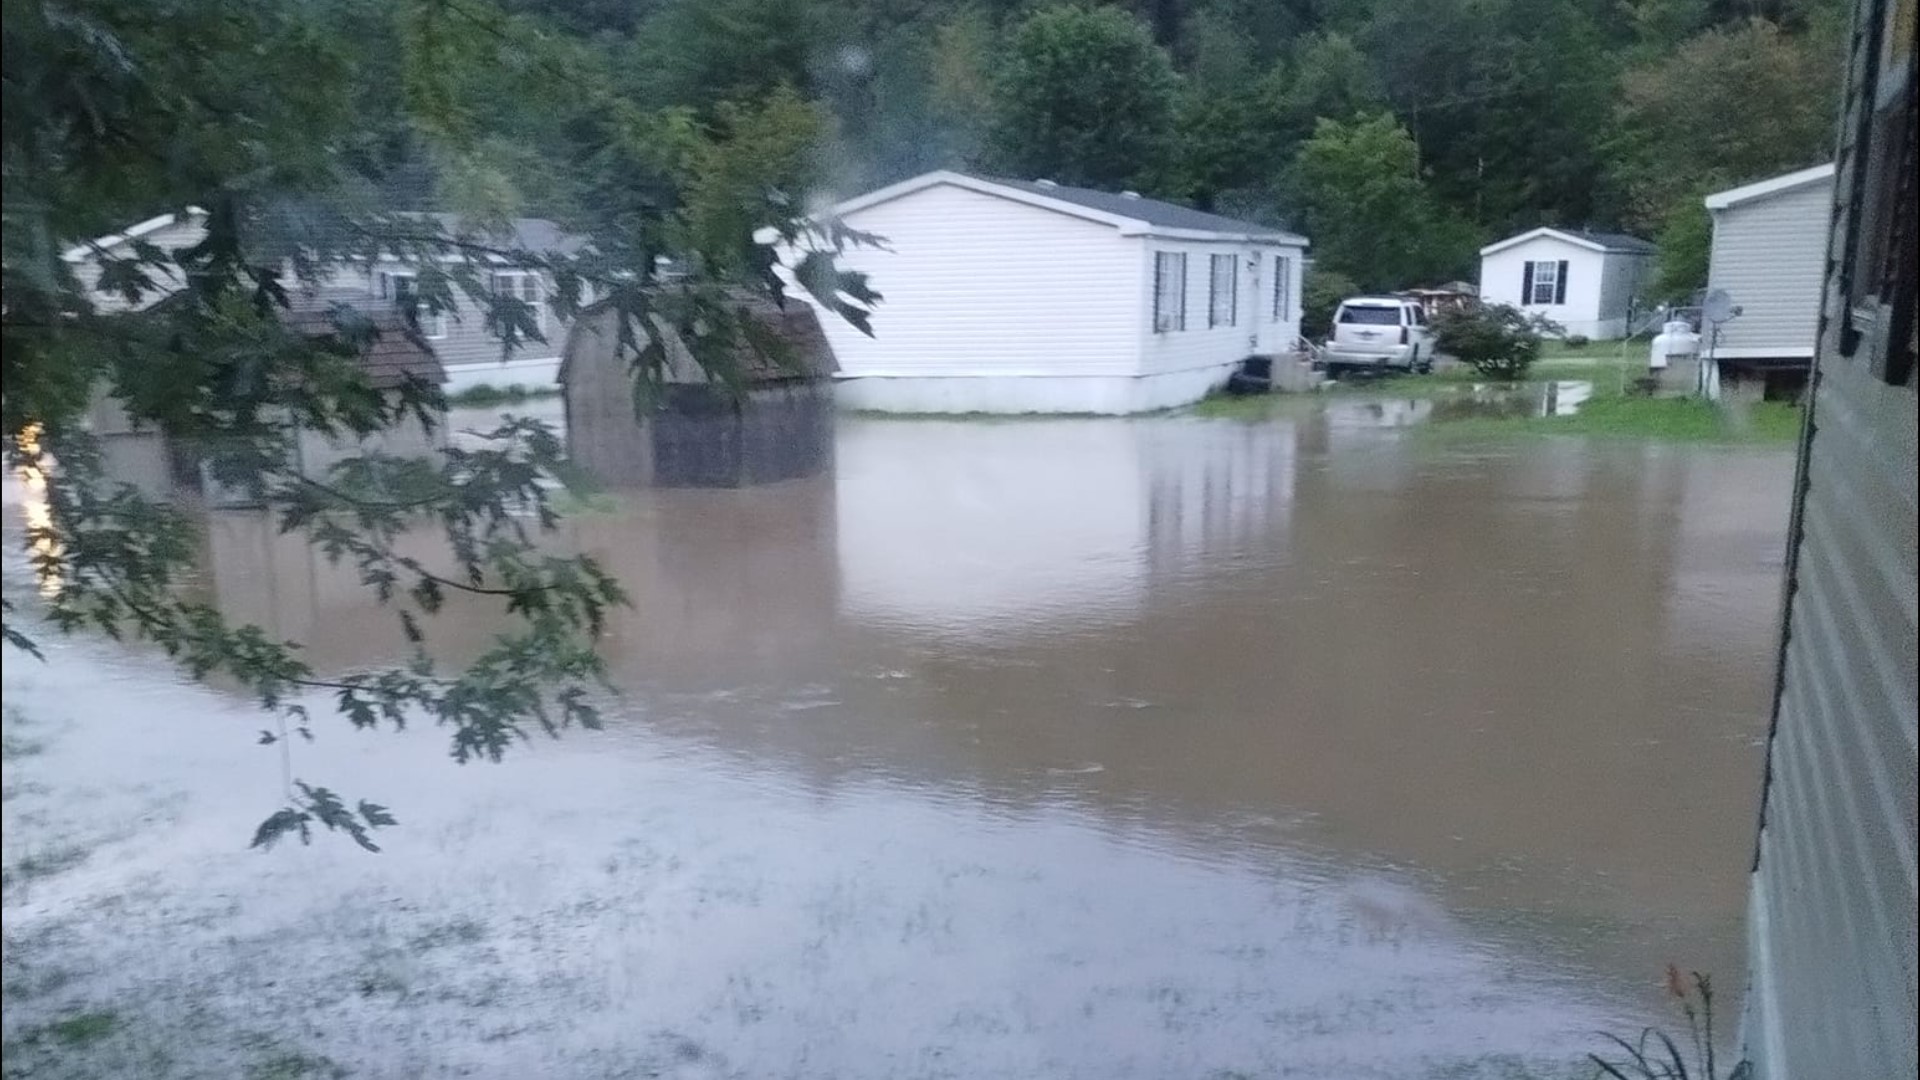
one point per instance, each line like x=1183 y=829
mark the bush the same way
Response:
x=1496 y=340
x=1320 y=293
x=1577 y=341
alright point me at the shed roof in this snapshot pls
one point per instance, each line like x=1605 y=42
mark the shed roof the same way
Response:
x=797 y=324
x=1129 y=211
x=395 y=352
x=1765 y=189
x=1596 y=241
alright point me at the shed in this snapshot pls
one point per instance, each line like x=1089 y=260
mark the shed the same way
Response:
x=1027 y=296
x=1769 y=253
x=1585 y=281
x=154 y=463
x=699 y=434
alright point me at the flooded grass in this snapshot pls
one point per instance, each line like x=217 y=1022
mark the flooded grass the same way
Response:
x=480 y=397
x=1657 y=419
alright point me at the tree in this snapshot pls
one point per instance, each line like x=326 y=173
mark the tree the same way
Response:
x=1084 y=96
x=1368 y=211
x=1497 y=340
x=1728 y=107
x=117 y=110
x=1330 y=79
x=1320 y=295
x=1686 y=247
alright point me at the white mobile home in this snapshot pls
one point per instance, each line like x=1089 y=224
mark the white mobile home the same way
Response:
x=1585 y=281
x=1769 y=254
x=460 y=338
x=1016 y=296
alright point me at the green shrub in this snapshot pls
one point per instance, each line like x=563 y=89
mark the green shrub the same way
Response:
x=1320 y=293
x=1576 y=341
x=1496 y=340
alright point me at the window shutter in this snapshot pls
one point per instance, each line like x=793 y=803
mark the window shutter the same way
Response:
x=1560 y=284
x=1526 y=283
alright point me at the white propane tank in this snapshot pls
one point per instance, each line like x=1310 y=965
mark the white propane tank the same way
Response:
x=1675 y=339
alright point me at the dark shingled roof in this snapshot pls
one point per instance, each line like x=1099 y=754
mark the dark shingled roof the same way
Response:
x=395 y=352
x=536 y=235
x=1152 y=211
x=796 y=324
x=1613 y=241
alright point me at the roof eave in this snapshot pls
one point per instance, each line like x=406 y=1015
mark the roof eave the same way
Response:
x=1762 y=189
x=1544 y=230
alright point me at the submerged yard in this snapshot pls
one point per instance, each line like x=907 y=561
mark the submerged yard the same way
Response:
x=1164 y=747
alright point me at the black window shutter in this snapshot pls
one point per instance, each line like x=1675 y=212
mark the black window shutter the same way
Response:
x=1526 y=283
x=1560 y=284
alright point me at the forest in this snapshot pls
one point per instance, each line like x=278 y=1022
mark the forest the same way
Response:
x=1400 y=135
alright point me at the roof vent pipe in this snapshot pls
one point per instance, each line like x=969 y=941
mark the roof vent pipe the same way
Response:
x=1129 y=194
x=1046 y=183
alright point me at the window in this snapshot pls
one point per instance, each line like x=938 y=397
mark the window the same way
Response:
x=1169 y=291
x=1282 y=273
x=1370 y=316
x=1544 y=282
x=403 y=287
x=1418 y=314
x=524 y=286
x=1224 y=291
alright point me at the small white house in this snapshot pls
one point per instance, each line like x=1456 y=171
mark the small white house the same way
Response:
x=1769 y=254
x=1585 y=281
x=1018 y=296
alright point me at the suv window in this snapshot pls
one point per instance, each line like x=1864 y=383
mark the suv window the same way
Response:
x=1371 y=316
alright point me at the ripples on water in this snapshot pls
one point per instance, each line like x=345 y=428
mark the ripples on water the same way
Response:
x=1054 y=748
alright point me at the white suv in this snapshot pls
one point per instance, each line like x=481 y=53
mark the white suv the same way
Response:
x=1382 y=333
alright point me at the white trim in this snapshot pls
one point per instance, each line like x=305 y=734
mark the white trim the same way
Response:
x=1128 y=226
x=1544 y=230
x=80 y=252
x=1548 y=230
x=1762 y=352
x=1722 y=200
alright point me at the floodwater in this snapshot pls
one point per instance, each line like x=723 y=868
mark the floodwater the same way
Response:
x=1086 y=748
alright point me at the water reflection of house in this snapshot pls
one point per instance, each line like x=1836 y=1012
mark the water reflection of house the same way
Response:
x=778 y=425
x=942 y=524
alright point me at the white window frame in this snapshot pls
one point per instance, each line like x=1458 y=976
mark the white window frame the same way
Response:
x=1282 y=281
x=431 y=324
x=1231 y=263
x=1550 y=280
x=534 y=298
x=1169 y=288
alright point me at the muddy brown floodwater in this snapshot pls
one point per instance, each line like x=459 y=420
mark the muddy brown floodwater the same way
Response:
x=1120 y=748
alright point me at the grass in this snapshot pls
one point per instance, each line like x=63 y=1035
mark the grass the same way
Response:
x=484 y=395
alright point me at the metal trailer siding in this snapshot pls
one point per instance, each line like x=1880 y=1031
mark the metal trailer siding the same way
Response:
x=1832 y=937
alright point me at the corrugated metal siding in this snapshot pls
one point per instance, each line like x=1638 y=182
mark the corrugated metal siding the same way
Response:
x=1770 y=255
x=1835 y=890
x=979 y=285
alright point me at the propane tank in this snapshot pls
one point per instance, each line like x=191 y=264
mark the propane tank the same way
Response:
x=1675 y=339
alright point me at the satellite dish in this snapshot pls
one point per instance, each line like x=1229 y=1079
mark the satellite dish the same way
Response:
x=1719 y=306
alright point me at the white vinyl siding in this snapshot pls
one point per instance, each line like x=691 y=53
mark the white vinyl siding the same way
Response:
x=1768 y=255
x=977 y=285
x=1223 y=290
x=1169 y=291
